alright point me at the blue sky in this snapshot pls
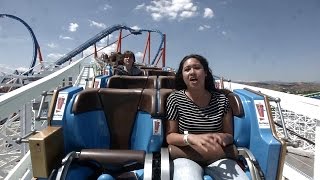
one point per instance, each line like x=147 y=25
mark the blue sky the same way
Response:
x=251 y=40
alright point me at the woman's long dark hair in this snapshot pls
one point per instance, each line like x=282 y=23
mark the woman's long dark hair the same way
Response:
x=209 y=80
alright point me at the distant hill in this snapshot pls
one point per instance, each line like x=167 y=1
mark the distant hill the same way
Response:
x=288 y=87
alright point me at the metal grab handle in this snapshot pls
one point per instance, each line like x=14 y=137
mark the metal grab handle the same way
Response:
x=24 y=139
x=43 y=98
x=66 y=162
x=254 y=167
x=277 y=100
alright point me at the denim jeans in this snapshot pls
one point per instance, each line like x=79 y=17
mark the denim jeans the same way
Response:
x=186 y=169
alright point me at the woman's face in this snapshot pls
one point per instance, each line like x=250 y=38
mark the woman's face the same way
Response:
x=193 y=74
x=128 y=60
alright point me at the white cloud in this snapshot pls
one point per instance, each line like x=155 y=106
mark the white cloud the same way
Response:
x=139 y=56
x=6 y=68
x=140 y=6
x=52 y=45
x=135 y=27
x=65 y=37
x=22 y=69
x=9 y=69
x=55 y=56
x=204 y=27
x=156 y=16
x=107 y=50
x=171 y=9
x=96 y=24
x=224 y=33
x=208 y=13
x=186 y=14
x=106 y=7
x=104 y=41
x=73 y=27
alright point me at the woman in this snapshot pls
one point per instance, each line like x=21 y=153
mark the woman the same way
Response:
x=200 y=129
x=128 y=67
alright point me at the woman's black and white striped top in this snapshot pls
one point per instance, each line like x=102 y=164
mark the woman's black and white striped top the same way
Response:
x=193 y=118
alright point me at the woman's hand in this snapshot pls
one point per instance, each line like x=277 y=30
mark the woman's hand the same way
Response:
x=210 y=140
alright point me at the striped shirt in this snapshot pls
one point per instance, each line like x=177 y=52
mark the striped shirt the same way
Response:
x=193 y=118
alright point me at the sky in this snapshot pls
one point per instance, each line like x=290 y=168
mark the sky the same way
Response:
x=243 y=40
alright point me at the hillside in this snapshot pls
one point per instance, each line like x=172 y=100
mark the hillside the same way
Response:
x=292 y=87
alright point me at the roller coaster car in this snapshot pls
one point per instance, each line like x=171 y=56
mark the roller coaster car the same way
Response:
x=117 y=133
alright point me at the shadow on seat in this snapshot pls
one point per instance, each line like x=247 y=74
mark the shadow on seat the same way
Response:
x=166 y=82
x=154 y=72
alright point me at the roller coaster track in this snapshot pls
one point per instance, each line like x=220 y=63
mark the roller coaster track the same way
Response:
x=103 y=34
x=36 y=46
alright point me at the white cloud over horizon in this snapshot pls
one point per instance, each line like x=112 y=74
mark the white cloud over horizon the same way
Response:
x=9 y=69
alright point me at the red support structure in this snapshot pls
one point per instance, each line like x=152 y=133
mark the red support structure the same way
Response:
x=161 y=54
x=149 y=46
x=119 y=41
x=95 y=51
x=164 y=51
x=145 y=49
x=40 y=55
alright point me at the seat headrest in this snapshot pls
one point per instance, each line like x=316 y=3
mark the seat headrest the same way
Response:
x=86 y=100
x=132 y=82
x=154 y=72
x=166 y=82
x=235 y=102
x=120 y=107
x=163 y=95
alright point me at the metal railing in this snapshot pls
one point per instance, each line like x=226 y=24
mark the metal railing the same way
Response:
x=18 y=115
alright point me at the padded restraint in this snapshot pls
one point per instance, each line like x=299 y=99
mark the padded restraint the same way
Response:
x=131 y=82
x=120 y=107
x=119 y=158
x=87 y=100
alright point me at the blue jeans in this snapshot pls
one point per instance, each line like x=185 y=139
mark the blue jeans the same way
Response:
x=222 y=169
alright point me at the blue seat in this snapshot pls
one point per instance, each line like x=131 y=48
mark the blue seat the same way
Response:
x=107 y=124
x=257 y=134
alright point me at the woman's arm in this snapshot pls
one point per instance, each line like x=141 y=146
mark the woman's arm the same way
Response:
x=227 y=122
x=203 y=141
x=173 y=137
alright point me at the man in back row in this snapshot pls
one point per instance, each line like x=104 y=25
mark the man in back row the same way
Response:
x=128 y=67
